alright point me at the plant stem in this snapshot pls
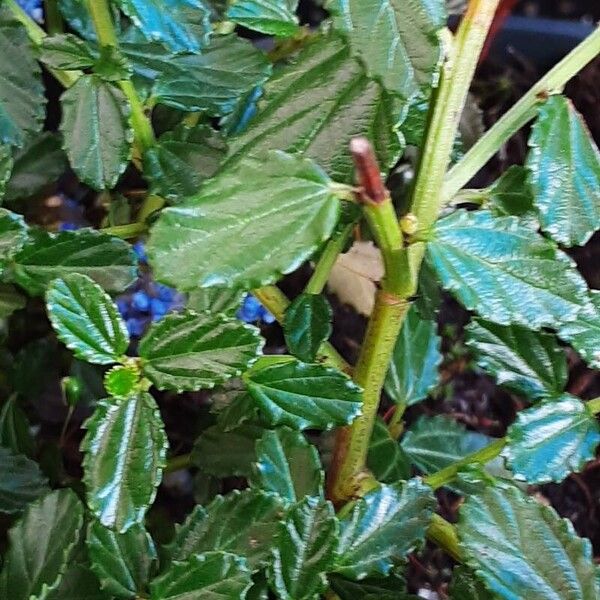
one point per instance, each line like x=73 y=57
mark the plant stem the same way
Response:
x=53 y=18
x=177 y=463
x=107 y=36
x=272 y=298
x=126 y=232
x=333 y=249
x=520 y=114
x=444 y=535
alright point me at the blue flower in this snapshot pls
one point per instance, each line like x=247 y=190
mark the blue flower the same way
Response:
x=135 y=326
x=140 y=250
x=140 y=301
x=68 y=226
x=33 y=8
x=252 y=311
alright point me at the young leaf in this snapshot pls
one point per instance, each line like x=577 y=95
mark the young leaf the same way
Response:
x=398 y=42
x=187 y=351
x=213 y=81
x=218 y=238
x=225 y=453
x=66 y=51
x=22 y=100
x=302 y=396
x=243 y=523
x=182 y=160
x=107 y=260
x=13 y=235
x=273 y=17
x=413 y=370
x=210 y=575
x=96 y=131
x=307 y=325
x=14 y=428
x=505 y=271
x=523 y=550
x=40 y=163
x=181 y=25
x=584 y=333
x=565 y=166
x=386 y=459
x=287 y=465
x=529 y=363
x=40 y=545
x=383 y=526
x=304 y=550
x=511 y=195
x=552 y=440
x=21 y=481
x=125 y=448
x=343 y=103
x=86 y=320
x=123 y=562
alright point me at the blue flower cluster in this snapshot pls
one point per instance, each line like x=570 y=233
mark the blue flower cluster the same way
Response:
x=252 y=311
x=33 y=8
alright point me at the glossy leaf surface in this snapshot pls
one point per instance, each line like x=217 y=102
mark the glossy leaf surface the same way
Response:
x=273 y=17
x=302 y=396
x=528 y=363
x=109 y=261
x=187 y=351
x=505 y=271
x=13 y=235
x=386 y=459
x=413 y=370
x=523 y=550
x=551 y=440
x=383 y=526
x=304 y=550
x=21 y=481
x=125 y=448
x=215 y=300
x=565 y=166
x=287 y=465
x=584 y=333
x=511 y=195
x=86 y=320
x=307 y=325
x=40 y=545
x=219 y=237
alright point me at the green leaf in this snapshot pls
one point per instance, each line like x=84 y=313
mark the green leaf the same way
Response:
x=66 y=52
x=398 y=42
x=523 y=550
x=215 y=300
x=307 y=325
x=234 y=406
x=125 y=448
x=213 y=81
x=243 y=523
x=287 y=465
x=512 y=195
x=505 y=271
x=86 y=320
x=40 y=545
x=273 y=17
x=218 y=238
x=13 y=235
x=304 y=550
x=78 y=582
x=383 y=526
x=14 y=428
x=528 y=363
x=550 y=441
x=22 y=100
x=112 y=65
x=316 y=104
x=181 y=25
x=6 y=166
x=107 y=260
x=225 y=453
x=96 y=131
x=21 y=481
x=122 y=380
x=182 y=160
x=371 y=588
x=302 y=396
x=10 y=300
x=217 y=575
x=40 y=163
x=565 y=166
x=464 y=586
x=584 y=333
x=187 y=351
x=413 y=370
x=386 y=459
x=433 y=443
x=123 y=562
x=76 y=14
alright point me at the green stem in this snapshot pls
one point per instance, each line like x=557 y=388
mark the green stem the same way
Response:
x=333 y=249
x=126 y=232
x=52 y=17
x=107 y=36
x=396 y=425
x=520 y=114
x=444 y=534
x=272 y=298
x=177 y=463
